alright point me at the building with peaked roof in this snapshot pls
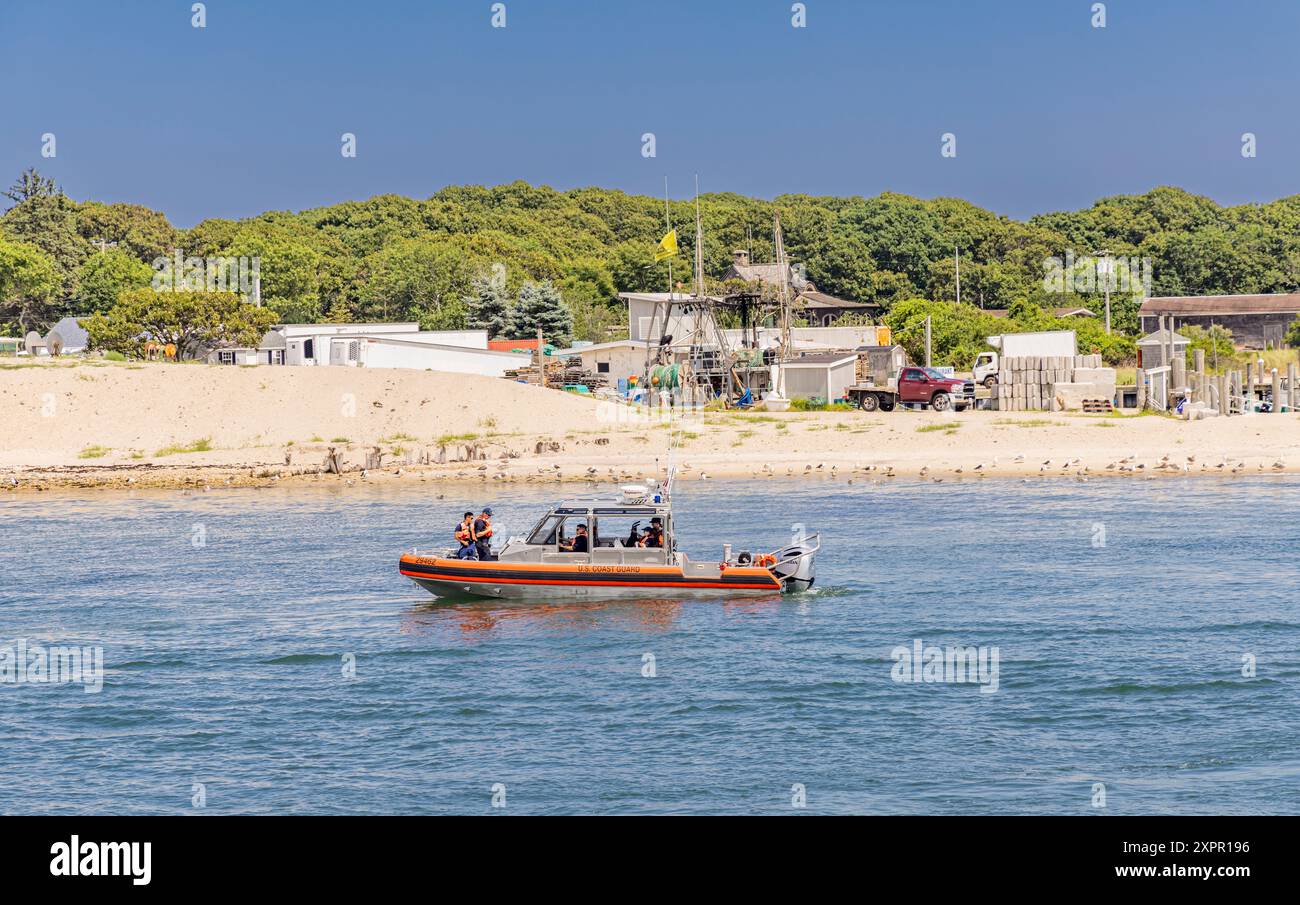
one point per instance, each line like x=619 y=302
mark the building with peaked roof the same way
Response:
x=269 y=351
x=769 y=274
x=1152 y=348
x=1257 y=321
x=75 y=338
x=821 y=309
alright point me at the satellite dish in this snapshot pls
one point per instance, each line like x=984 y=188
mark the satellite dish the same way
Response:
x=54 y=342
x=33 y=342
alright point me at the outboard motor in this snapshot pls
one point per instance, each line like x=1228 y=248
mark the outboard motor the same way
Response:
x=794 y=563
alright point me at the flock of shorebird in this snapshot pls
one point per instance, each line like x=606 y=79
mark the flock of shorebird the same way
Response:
x=1069 y=467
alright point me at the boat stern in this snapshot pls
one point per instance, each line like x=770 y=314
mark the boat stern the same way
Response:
x=794 y=564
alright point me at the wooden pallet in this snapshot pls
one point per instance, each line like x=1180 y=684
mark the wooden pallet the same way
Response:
x=1097 y=407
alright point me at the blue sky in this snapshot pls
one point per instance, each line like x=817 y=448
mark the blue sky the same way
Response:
x=1049 y=113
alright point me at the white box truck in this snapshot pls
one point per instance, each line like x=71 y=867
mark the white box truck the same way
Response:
x=1013 y=345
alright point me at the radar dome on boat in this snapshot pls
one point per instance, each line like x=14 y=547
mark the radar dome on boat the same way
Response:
x=633 y=493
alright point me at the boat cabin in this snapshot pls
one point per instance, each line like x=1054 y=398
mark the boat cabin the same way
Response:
x=613 y=531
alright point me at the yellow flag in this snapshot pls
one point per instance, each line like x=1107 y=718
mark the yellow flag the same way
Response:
x=667 y=246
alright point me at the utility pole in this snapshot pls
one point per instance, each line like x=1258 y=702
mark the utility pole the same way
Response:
x=956 y=256
x=541 y=360
x=1107 y=269
x=927 y=340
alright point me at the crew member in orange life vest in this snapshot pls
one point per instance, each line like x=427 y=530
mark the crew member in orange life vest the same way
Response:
x=465 y=537
x=483 y=533
x=579 y=542
x=654 y=535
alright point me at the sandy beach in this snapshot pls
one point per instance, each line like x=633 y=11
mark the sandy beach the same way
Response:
x=112 y=425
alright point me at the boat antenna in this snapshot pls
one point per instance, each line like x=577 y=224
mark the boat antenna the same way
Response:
x=699 y=243
x=668 y=222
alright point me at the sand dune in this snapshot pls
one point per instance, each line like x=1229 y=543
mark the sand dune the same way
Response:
x=52 y=414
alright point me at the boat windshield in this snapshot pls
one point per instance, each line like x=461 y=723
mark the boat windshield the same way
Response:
x=556 y=529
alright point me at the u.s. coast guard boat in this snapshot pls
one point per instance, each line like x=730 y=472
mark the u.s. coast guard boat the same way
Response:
x=621 y=547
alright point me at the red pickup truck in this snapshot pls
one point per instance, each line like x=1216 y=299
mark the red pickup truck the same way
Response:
x=916 y=385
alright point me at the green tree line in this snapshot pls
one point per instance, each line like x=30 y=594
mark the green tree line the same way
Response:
x=561 y=256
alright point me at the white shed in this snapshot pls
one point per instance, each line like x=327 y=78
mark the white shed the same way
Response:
x=827 y=375
x=614 y=360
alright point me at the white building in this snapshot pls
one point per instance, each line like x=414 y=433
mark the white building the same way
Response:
x=419 y=351
x=309 y=344
x=826 y=375
x=615 y=361
x=396 y=345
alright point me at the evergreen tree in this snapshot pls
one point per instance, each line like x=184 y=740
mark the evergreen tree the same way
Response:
x=540 y=307
x=488 y=304
x=45 y=217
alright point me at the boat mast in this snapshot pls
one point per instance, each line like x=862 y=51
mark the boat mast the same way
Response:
x=783 y=352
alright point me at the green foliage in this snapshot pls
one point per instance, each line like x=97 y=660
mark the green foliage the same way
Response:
x=1216 y=342
x=45 y=217
x=289 y=270
x=132 y=228
x=1292 y=338
x=29 y=281
x=192 y=321
x=396 y=258
x=818 y=404
x=958 y=332
x=105 y=276
x=540 y=307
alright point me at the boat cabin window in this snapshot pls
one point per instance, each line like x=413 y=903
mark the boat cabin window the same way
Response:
x=556 y=530
x=620 y=530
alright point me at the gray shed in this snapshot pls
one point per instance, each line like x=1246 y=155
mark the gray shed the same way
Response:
x=1151 y=348
x=75 y=339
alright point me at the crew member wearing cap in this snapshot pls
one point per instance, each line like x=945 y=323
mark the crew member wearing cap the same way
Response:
x=483 y=533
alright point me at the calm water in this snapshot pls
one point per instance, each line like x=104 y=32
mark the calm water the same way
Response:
x=1119 y=664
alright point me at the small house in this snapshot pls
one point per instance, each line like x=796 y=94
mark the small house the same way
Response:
x=270 y=351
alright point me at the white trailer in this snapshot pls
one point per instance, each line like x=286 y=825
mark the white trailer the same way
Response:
x=1044 y=343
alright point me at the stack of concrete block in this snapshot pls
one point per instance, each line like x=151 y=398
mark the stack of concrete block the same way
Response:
x=1025 y=382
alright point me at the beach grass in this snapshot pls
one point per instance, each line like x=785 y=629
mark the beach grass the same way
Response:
x=1029 y=422
x=94 y=452
x=203 y=444
x=455 y=438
